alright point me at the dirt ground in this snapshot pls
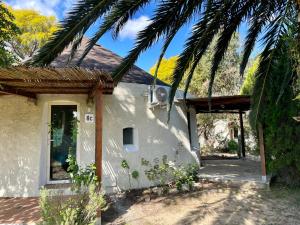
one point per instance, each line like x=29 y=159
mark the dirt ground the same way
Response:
x=212 y=204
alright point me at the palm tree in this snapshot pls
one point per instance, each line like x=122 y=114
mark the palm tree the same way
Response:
x=213 y=18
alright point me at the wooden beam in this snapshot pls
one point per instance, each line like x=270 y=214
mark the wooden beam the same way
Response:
x=98 y=133
x=92 y=93
x=11 y=90
x=242 y=134
x=48 y=81
x=262 y=152
x=220 y=112
x=188 y=116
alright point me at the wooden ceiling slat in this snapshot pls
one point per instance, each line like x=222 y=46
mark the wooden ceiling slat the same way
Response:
x=55 y=80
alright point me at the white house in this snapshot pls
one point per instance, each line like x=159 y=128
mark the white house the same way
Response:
x=36 y=135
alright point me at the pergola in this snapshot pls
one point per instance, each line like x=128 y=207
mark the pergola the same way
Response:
x=237 y=104
x=31 y=81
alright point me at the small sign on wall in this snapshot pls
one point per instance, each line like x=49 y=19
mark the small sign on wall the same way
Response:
x=89 y=118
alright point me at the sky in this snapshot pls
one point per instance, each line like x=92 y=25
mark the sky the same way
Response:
x=125 y=41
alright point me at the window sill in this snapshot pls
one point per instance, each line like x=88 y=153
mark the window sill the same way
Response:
x=58 y=186
x=130 y=148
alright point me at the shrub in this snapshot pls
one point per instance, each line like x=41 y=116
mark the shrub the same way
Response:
x=80 y=209
x=165 y=173
x=233 y=146
x=135 y=174
x=181 y=177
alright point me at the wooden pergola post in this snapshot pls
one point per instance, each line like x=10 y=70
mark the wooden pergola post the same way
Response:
x=242 y=134
x=98 y=133
x=262 y=152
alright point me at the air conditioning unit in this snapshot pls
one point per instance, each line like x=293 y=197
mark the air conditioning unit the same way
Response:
x=158 y=95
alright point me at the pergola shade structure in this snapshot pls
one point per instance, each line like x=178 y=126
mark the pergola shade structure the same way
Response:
x=31 y=81
x=221 y=104
x=230 y=104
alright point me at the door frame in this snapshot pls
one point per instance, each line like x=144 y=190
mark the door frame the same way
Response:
x=49 y=138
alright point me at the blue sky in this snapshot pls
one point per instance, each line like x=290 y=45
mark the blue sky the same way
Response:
x=125 y=42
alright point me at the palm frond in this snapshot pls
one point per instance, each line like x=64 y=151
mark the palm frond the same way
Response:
x=119 y=14
x=203 y=32
x=133 y=6
x=162 y=22
x=184 y=17
x=258 y=20
x=277 y=29
x=75 y=45
x=239 y=11
x=80 y=18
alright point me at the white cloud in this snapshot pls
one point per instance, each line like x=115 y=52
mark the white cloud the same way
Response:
x=133 y=26
x=46 y=7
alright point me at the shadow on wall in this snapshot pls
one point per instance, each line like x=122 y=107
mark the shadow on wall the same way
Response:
x=20 y=180
x=19 y=146
x=155 y=138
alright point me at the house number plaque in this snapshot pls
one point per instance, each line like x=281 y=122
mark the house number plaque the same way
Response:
x=89 y=118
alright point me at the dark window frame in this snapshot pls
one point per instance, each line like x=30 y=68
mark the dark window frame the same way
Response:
x=128 y=136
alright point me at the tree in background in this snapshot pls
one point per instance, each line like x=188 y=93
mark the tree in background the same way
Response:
x=280 y=87
x=36 y=29
x=210 y=19
x=165 y=70
x=247 y=87
x=227 y=82
x=8 y=30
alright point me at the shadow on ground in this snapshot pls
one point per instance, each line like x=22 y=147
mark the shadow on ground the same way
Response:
x=213 y=205
x=19 y=210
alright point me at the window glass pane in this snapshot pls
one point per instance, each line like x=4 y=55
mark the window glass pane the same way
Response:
x=128 y=136
x=63 y=139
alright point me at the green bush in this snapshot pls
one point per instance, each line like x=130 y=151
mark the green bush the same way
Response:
x=233 y=146
x=135 y=174
x=165 y=173
x=274 y=107
x=79 y=209
x=81 y=176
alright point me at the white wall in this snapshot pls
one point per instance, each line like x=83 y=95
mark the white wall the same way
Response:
x=128 y=108
x=24 y=142
x=20 y=141
x=24 y=138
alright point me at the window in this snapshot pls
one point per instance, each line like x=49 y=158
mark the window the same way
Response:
x=128 y=136
x=130 y=139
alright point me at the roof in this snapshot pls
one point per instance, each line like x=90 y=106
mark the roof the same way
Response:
x=30 y=81
x=102 y=59
x=221 y=104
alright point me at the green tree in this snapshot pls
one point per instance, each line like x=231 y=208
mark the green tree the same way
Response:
x=281 y=131
x=247 y=87
x=211 y=18
x=8 y=30
x=227 y=80
x=36 y=29
x=165 y=70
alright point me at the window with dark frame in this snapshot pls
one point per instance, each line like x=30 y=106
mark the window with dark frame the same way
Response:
x=128 y=136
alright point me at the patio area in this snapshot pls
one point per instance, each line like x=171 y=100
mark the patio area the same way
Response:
x=232 y=170
x=19 y=211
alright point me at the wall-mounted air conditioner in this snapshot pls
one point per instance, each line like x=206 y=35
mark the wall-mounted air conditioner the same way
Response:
x=158 y=96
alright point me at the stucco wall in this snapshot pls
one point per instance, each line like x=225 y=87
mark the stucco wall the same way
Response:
x=128 y=108
x=20 y=141
x=24 y=138
x=24 y=142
